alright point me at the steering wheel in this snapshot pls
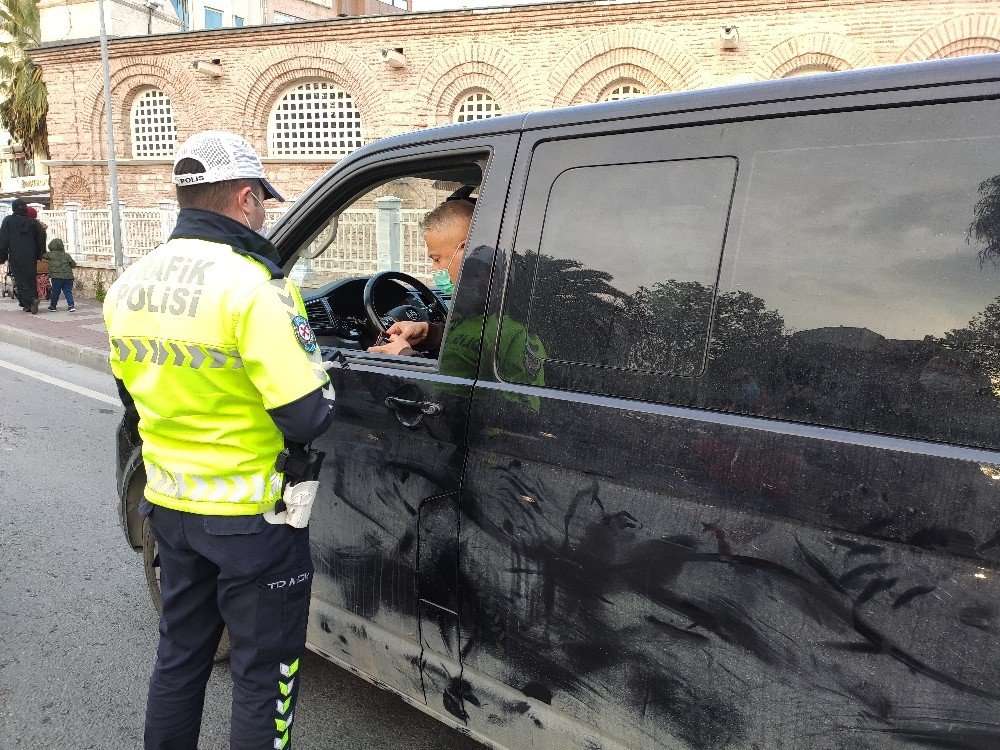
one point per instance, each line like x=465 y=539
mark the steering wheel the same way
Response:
x=434 y=310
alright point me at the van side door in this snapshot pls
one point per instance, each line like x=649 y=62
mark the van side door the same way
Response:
x=733 y=452
x=384 y=530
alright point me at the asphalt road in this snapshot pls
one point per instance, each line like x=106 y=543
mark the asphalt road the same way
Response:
x=77 y=630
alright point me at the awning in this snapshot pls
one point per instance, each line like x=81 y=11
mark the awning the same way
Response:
x=31 y=196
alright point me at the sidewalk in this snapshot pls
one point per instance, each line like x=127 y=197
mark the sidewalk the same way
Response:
x=79 y=337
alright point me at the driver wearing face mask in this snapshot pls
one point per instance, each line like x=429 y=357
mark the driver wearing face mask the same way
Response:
x=446 y=229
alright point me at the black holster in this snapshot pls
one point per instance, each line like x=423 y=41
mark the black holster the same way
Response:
x=299 y=463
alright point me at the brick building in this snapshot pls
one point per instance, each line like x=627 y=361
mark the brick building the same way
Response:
x=306 y=94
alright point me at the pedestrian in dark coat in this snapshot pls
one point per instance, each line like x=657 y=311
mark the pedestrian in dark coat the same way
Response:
x=22 y=244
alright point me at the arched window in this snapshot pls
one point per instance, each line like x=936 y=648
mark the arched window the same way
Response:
x=479 y=105
x=153 y=131
x=314 y=119
x=624 y=91
x=963 y=47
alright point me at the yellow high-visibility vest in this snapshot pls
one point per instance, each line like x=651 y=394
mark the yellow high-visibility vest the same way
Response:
x=205 y=342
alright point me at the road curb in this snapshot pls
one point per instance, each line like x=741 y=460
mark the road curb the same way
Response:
x=67 y=351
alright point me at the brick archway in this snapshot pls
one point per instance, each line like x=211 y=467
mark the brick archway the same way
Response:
x=463 y=68
x=976 y=33
x=268 y=75
x=128 y=82
x=650 y=58
x=73 y=188
x=825 y=49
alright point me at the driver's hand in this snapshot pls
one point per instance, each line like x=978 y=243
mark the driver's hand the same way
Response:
x=397 y=345
x=412 y=332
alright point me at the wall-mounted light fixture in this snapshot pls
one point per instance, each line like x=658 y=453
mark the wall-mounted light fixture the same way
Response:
x=212 y=68
x=393 y=57
x=729 y=37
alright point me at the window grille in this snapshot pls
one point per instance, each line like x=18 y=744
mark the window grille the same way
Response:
x=153 y=131
x=478 y=106
x=625 y=91
x=315 y=119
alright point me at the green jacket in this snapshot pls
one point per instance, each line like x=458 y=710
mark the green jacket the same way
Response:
x=61 y=265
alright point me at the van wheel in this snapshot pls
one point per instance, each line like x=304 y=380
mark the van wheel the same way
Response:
x=151 y=564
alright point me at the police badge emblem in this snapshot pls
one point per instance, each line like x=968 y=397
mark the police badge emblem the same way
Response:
x=304 y=334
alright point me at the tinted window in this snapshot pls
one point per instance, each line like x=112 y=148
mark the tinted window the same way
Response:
x=857 y=289
x=628 y=261
x=866 y=258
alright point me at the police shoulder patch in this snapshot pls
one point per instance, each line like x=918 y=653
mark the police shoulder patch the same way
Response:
x=304 y=334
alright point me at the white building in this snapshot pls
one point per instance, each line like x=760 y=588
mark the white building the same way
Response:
x=63 y=20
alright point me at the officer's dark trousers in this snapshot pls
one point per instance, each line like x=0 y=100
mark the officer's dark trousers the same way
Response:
x=253 y=577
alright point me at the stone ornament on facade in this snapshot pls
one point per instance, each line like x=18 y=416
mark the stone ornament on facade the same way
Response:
x=823 y=50
x=973 y=34
x=465 y=69
x=656 y=61
x=73 y=188
x=271 y=73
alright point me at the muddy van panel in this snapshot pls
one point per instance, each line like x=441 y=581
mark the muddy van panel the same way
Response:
x=745 y=494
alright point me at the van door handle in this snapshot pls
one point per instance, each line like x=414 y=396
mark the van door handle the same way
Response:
x=422 y=409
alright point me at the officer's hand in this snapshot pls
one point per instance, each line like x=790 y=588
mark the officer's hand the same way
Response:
x=412 y=333
x=397 y=345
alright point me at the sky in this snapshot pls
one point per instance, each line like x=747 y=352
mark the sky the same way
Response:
x=420 y=5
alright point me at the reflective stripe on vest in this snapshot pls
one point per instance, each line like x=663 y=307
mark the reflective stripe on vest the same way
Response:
x=235 y=488
x=158 y=352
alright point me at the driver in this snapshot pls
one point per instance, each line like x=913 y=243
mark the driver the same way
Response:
x=445 y=231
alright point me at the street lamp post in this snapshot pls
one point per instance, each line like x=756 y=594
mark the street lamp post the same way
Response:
x=116 y=218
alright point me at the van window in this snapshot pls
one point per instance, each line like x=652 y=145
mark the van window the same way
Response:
x=380 y=230
x=627 y=264
x=867 y=258
x=858 y=288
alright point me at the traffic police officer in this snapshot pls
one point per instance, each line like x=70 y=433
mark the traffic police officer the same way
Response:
x=214 y=357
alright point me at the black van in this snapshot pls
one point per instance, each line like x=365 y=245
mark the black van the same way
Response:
x=710 y=455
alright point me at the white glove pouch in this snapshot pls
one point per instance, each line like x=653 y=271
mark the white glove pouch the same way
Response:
x=298 y=505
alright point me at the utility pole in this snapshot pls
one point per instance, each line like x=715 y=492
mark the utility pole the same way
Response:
x=116 y=217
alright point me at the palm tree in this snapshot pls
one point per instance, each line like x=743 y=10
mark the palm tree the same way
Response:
x=25 y=99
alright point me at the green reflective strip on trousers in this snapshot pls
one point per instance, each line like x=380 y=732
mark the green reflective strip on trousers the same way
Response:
x=158 y=352
x=218 y=489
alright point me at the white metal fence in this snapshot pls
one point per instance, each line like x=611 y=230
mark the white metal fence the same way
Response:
x=368 y=240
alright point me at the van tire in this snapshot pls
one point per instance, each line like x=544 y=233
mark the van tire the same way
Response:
x=151 y=565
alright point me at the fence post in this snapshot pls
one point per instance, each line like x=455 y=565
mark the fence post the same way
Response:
x=73 y=238
x=168 y=218
x=125 y=247
x=387 y=233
